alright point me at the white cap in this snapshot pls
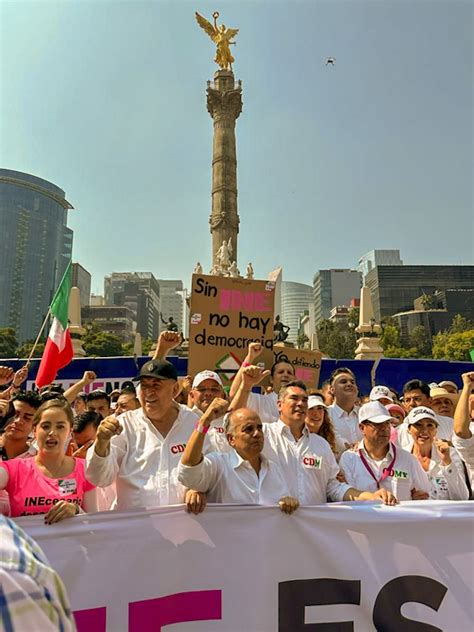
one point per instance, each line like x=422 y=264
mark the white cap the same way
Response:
x=206 y=375
x=419 y=413
x=448 y=383
x=374 y=412
x=379 y=392
x=315 y=400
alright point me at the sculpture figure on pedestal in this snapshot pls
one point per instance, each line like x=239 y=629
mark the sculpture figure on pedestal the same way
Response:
x=221 y=37
x=280 y=330
x=197 y=268
x=170 y=324
x=224 y=254
x=250 y=271
x=233 y=270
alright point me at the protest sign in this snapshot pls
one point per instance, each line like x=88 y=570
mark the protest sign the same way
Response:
x=307 y=364
x=226 y=315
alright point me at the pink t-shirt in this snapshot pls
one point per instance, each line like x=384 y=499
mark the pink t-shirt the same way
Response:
x=31 y=492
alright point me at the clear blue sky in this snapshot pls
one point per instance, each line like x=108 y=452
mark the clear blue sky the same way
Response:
x=107 y=100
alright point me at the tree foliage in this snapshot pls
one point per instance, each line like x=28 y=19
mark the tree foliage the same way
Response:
x=453 y=346
x=336 y=340
x=8 y=343
x=24 y=350
x=101 y=343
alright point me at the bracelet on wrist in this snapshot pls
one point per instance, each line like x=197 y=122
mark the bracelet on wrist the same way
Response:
x=245 y=363
x=200 y=428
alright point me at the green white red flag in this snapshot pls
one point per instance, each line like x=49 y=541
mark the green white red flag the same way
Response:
x=58 y=350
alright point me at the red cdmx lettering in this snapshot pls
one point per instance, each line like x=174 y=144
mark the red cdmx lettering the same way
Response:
x=178 y=448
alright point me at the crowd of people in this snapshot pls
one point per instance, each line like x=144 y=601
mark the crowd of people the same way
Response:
x=164 y=440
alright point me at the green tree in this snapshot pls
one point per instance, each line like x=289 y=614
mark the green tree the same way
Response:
x=8 y=342
x=301 y=340
x=460 y=324
x=428 y=302
x=453 y=346
x=101 y=343
x=420 y=340
x=24 y=350
x=336 y=340
x=147 y=345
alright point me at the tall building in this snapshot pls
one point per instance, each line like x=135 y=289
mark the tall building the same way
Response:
x=35 y=249
x=295 y=300
x=171 y=300
x=81 y=278
x=394 y=288
x=376 y=258
x=115 y=319
x=140 y=292
x=333 y=288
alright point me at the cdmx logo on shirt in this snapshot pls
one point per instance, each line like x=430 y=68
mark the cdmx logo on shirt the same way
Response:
x=312 y=461
x=178 y=448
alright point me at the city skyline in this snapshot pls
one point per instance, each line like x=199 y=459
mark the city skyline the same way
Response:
x=379 y=143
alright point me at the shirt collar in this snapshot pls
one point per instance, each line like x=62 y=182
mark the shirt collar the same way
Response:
x=340 y=412
x=389 y=456
x=236 y=460
x=284 y=429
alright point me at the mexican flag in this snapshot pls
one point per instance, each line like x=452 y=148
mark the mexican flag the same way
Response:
x=58 y=351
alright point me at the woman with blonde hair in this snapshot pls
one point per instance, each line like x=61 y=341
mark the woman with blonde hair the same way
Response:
x=51 y=482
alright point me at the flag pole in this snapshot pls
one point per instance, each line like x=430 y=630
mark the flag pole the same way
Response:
x=38 y=336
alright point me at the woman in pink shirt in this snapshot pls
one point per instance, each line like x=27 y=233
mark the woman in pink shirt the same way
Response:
x=50 y=483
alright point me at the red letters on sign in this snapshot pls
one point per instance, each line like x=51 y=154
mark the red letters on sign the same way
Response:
x=92 y=620
x=235 y=300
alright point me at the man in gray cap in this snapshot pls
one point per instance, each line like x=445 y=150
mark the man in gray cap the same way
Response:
x=140 y=450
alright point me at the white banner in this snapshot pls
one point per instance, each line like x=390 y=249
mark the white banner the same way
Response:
x=338 y=567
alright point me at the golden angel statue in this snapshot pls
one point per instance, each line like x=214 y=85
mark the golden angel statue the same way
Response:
x=222 y=39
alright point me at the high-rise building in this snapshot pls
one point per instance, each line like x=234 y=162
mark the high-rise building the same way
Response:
x=334 y=288
x=295 y=300
x=81 y=278
x=140 y=292
x=376 y=258
x=394 y=288
x=171 y=300
x=35 y=249
x=115 y=319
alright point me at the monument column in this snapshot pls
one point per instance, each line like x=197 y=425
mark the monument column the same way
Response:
x=224 y=104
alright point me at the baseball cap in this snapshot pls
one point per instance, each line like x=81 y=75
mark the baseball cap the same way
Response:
x=161 y=369
x=206 y=375
x=315 y=400
x=379 y=392
x=448 y=383
x=419 y=413
x=396 y=408
x=374 y=412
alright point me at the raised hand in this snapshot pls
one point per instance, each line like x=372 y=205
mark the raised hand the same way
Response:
x=89 y=377
x=443 y=450
x=253 y=375
x=468 y=380
x=217 y=408
x=20 y=376
x=6 y=374
x=108 y=428
x=254 y=350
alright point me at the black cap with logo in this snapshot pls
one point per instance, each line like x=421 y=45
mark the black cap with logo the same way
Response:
x=161 y=369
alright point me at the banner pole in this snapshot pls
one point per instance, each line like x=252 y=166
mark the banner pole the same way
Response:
x=48 y=313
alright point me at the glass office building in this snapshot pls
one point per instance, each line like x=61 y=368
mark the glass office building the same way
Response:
x=36 y=246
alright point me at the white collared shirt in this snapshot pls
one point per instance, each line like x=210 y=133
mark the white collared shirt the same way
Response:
x=444 y=432
x=407 y=472
x=465 y=449
x=265 y=405
x=227 y=478
x=447 y=481
x=216 y=434
x=142 y=462
x=308 y=465
x=345 y=424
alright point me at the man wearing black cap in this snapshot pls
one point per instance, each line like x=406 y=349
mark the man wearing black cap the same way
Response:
x=141 y=449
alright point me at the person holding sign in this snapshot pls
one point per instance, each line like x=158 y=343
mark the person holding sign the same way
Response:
x=140 y=450
x=265 y=405
x=378 y=464
x=242 y=475
x=49 y=483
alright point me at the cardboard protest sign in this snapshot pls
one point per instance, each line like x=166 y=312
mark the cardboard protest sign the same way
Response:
x=226 y=315
x=307 y=364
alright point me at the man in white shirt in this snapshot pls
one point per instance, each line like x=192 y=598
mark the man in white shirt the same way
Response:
x=463 y=435
x=343 y=411
x=242 y=475
x=206 y=387
x=378 y=464
x=417 y=393
x=140 y=450
x=306 y=459
x=265 y=405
